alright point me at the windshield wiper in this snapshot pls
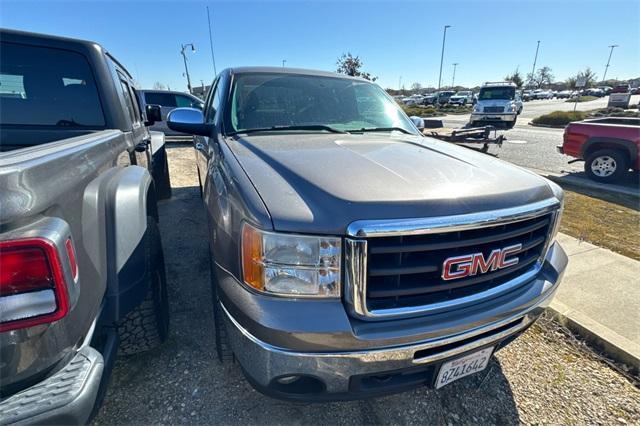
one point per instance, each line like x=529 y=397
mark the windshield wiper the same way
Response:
x=284 y=128
x=380 y=129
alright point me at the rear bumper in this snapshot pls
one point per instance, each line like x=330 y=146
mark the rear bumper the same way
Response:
x=66 y=397
x=362 y=373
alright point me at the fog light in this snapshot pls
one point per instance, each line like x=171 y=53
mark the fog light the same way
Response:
x=287 y=380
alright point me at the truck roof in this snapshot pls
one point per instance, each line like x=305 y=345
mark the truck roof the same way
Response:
x=56 y=41
x=498 y=84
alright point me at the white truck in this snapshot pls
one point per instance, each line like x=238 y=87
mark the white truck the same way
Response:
x=498 y=103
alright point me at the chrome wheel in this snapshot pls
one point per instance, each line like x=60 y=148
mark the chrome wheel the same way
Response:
x=604 y=166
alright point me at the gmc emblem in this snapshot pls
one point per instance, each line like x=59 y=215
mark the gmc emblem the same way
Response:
x=473 y=264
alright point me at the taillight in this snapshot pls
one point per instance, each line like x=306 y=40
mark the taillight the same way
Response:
x=32 y=283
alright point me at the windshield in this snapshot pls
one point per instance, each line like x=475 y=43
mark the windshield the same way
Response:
x=489 y=93
x=268 y=101
x=463 y=93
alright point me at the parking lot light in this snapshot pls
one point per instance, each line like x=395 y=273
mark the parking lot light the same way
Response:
x=184 y=57
x=444 y=37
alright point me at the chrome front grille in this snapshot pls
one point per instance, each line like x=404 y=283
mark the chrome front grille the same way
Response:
x=395 y=268
x=494 y=109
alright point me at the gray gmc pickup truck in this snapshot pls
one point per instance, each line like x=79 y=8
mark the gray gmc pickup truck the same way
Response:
x=351 y=256
x=81 y=262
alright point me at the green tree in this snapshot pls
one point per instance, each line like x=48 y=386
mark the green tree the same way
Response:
x=352 y=65
x=515 y=78
x=588 y=75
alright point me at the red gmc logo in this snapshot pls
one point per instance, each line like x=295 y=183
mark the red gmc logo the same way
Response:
x=473 y=264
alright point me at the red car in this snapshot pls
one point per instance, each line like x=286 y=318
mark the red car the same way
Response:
x=609 y=146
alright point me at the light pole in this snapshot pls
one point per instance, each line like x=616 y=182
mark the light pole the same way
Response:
x=184 y=56
x=444 y=37
x=283 y=62
x=535 y=59
x=604 y=77
x=453 y=79
x=400 y=85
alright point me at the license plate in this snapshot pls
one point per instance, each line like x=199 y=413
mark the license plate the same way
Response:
x=462 y=367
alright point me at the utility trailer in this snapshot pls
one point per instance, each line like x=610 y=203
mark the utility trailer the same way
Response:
x=484 y=135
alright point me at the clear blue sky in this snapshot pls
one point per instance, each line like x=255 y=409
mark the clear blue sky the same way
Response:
x=488 y=38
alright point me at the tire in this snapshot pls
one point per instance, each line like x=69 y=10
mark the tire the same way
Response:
x=510 y=124
x=147 y=326
x=223 y=345
x=162 y=179
x=606 y=165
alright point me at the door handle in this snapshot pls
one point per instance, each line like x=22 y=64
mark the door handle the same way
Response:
x=200 y=146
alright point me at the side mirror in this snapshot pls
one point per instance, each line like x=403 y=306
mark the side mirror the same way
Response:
x=188 y=120
x=153 y=114
x=419 y=122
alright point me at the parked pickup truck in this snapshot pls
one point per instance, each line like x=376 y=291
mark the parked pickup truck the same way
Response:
x=81 y=261
x=352 y=256
x=609 y=146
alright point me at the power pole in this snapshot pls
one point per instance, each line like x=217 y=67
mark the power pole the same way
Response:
x=444 y=37
x=604 y=77
x=184 y=56
x=284 y=61
x=453 y=79
x=535 y=59
x=213 y=58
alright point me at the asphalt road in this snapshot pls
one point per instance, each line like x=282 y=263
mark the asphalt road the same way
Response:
x=543 y=377
x=535 y=147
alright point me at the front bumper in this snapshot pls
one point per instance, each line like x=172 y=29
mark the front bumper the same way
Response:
x=361 y=373
x=66 y=397
x=482 y=116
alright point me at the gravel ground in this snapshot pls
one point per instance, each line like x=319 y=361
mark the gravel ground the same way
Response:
x=545 y=376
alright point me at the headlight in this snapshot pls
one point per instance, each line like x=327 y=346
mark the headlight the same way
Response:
x=477 y=108
x=559 y=194
x=511 y=108
x=291 y=265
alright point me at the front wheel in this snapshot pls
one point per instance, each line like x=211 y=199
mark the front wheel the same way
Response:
x=223 y=344
x=511 y=124
x=161 y=175
x=606 y=165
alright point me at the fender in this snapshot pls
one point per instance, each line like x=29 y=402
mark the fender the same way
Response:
x=628 y=145
x=115 y=210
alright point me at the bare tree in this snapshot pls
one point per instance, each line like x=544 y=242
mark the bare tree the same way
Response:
x=416 y=87
x=352 y=65
x=543 y=77
x=158 y=86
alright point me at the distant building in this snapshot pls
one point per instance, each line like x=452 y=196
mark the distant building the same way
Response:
x=200 y=91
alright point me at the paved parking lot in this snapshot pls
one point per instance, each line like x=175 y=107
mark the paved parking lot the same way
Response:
x=535 y=147
x=544 y=377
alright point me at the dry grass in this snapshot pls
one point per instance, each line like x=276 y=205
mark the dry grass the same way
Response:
x=613 y=223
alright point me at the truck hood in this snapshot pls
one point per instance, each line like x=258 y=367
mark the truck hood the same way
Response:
x=321 y=183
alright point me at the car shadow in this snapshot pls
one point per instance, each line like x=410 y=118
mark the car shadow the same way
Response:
x=182 y=381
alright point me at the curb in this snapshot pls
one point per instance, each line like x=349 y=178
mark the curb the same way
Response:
x=548 y=126
x=611 y=343
x=586 y=183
